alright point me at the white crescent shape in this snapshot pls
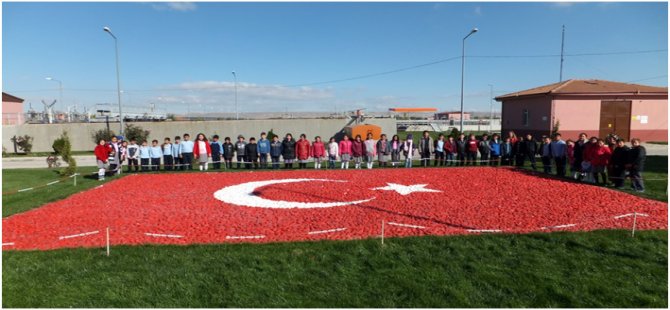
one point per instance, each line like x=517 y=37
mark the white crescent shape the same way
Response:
x=243 y=195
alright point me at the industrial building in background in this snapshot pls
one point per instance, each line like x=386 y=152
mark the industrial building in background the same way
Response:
x=595 y=107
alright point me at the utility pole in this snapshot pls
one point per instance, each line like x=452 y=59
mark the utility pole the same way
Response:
x=560 y=76
x=491 y=103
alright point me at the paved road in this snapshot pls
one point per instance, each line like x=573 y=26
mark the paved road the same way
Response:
x=89 y=160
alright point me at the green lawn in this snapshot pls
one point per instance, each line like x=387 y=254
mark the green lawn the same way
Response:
x=595 y=269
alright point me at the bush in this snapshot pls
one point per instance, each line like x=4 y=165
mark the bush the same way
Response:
x=62 y=148
x=23 y=142
x=454 y=133
x=271 y=134
x=136 y=132
x=102 y=134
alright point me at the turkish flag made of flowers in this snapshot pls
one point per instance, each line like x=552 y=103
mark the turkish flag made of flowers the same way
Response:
x=272 y=206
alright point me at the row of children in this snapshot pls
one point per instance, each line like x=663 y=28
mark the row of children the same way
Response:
x=587 y=165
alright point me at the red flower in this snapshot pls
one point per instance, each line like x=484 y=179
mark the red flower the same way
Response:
x=183 y=209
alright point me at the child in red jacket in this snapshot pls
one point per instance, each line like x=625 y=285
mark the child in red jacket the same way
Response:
x=202 y=150
x=102 y=152
x=302 y=151
x=318 y=151
x=600 y=160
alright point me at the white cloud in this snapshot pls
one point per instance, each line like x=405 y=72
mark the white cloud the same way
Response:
x=478 y=10
x=256 y=91
x=176 y=6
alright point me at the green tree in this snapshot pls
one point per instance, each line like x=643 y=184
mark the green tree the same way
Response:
x=555 y=128
x=136 y=132
x=23 y=142
x=62 y=148
x=271 y=134
x=102 y=134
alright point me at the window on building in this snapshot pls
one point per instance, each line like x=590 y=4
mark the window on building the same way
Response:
x=524 y=117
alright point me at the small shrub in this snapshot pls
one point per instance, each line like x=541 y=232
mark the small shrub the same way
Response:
x=271 y=134
x=23 y=142
x=62 y=148
x=136 y=132
x=102 y=134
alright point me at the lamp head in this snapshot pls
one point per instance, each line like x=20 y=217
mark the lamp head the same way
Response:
x=48 y=78
x=106 y=29
x=474 y=30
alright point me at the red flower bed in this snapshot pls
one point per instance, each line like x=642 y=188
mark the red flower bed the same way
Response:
x=232 y=207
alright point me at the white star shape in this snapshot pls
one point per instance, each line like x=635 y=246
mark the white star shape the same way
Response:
x=406 y=189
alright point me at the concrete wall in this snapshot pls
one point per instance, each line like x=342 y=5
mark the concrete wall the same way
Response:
x=80 y=134
x=656 y=128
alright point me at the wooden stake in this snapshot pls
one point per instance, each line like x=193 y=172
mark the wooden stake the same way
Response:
x=634 y=223
x=75 y=179
x=382 y=231
x=107 y=241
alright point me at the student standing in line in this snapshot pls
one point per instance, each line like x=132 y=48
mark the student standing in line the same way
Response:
x=318 y=152
x=519 y=152
x=202 y=151
x=302 y=151
x=275 y=151
x=580 y=147
x=168 y=162
x=145 y=156
x=263 y=150
x=396 y=145
x=546 y=154
x=619 y=160
x=559 y=152
x=408 y=149
x=370 y=150
x=494 y=147
x=530 y=149
x=217 y=152
x=240 y=149
x=288 y=151
x=115 y=156
x=176 y=153
x=601 y=160
x=383 y=150
x=357 y=151
x=228 y=153
x=155 y=152
x=102 y=151
x=439 y=151
x=133 y=155
x=187 y=153
x=571 y=155
x=426 y=148
x=636 y=158
x=472 y=148
x=506 y=152
x=345 y=151
x=450 y=151
x=123 y=147
x=251 y=154
x=332 y=151
x=462 y=149
x=589 y=155
x=484 y=150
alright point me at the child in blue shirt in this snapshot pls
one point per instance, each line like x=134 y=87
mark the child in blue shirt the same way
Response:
x=145 y=156
x=168 y=160
x=156 y=153
x=263 y=150
x=217 y=151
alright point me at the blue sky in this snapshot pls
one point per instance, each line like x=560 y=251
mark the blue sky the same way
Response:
x=180 y=55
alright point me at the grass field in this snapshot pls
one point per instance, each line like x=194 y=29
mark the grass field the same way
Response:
x=594 y=269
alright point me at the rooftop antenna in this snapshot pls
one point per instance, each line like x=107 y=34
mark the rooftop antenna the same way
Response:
x=560 y=76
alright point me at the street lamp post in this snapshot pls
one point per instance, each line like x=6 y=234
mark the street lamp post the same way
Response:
x=463 y=71
x=60 y=88
x=491 y=103
x=118 y=79
x=237 y=115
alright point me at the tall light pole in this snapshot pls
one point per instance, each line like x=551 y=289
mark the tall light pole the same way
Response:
x=60 y=87
x=491 y=103
x=463 y=71
x=237 y=115
x=118 y=79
